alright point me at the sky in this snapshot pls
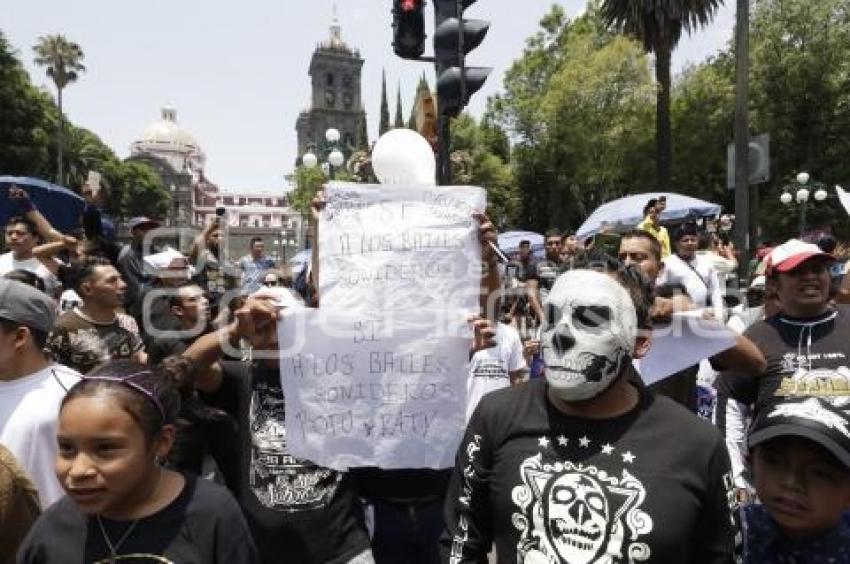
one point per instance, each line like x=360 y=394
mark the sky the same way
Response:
x=236 y=72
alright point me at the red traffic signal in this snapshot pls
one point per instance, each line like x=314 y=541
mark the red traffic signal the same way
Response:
x=408 y=28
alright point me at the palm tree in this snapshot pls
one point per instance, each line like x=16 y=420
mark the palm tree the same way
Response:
x=63 y=60
x=658 y=24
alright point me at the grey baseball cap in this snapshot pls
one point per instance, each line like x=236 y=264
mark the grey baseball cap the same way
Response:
x=26 y=305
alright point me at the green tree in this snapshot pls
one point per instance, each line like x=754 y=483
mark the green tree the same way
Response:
x=25 y=119
x=481 y=148
x=702 y=114
x=84 y=152
x=362 y=133
x=578 y=106
x=384 y=124
x=63 y=61
x=800 y=94
x=658 y=25
x=138 y=190
x=399 y=121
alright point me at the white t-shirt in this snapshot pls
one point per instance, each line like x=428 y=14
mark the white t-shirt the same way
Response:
x=698 y=277
x=29 y=413
x=489 y=369
x=8 y=263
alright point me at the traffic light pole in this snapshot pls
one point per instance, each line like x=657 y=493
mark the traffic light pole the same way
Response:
x=444 y=165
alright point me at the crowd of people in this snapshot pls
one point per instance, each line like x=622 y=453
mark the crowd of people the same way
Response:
x=141 y=420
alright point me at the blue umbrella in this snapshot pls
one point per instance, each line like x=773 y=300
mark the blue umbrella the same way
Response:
x=627 y=212
x=61 y=207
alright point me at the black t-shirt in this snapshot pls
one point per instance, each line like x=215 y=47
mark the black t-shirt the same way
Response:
x=652 y=484
x=202 y=526
x=808 y=357
x=295 y=509
x=545 y=272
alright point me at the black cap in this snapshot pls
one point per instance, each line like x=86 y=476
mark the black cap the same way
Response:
x=810 y=418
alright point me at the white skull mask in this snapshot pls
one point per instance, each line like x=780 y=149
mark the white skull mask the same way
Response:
x=589 y=334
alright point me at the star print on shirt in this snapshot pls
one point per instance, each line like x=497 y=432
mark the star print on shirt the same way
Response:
x=562 y=440
x=543 y=441
x=628 y=457
x=607 y=449
x=584 y=442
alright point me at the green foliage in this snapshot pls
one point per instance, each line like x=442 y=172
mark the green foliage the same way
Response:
x=27 y=118
x=399 y=120
x=307 y=182
x=703 y=112
x=484 y=151
x=578 y=105
x=62 y=59
x=658 y=25
x=384 y=124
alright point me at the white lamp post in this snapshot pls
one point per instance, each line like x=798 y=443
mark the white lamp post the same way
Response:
x=335 y=158
x=801 y=193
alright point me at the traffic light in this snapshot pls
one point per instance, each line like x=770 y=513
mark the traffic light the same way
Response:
x=409 y=28
x=454 y=37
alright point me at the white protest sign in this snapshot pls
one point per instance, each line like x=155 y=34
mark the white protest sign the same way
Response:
x=384 y=390
x=400 y=247
x=685 y=342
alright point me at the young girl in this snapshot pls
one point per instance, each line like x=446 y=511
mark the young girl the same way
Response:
x=115 y=428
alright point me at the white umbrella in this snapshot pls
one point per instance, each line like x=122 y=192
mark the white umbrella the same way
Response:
x=624 y=213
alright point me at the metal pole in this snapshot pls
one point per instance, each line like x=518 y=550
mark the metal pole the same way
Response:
x=461 y=54
x=742 y=138
x=444 y=166
x=803 y=217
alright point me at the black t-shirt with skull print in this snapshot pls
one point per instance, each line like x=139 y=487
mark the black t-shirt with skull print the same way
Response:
x=805 y=357
x=651 y=485
x=297 y=511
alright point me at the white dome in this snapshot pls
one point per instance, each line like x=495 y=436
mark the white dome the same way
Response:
x=166 y=138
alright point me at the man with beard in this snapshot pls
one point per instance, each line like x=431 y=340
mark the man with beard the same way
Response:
x=584 y=465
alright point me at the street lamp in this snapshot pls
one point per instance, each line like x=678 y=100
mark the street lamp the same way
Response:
x=802 y=194
x=335 y=157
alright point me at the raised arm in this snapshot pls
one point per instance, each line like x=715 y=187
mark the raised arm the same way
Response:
x=42 y=226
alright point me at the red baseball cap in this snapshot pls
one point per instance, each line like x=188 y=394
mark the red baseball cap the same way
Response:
x=791 y=254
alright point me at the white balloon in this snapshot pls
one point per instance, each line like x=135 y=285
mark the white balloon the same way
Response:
x=402 y=156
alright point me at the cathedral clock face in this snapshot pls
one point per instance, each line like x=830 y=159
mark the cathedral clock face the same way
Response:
x=347 y=99
x=330 y=98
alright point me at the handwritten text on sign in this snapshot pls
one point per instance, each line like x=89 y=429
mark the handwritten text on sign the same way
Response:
x=400 y=247
x=373 y=392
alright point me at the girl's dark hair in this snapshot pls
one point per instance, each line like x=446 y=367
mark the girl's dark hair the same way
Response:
x=148 y=394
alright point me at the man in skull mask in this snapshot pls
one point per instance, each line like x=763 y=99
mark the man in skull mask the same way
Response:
x=585 y=465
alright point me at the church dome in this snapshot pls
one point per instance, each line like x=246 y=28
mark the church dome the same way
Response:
x=166 y=138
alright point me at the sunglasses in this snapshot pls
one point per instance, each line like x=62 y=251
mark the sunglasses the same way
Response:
x=270 y=282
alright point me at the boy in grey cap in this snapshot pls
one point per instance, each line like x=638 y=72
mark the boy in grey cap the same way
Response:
x=31 y=385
